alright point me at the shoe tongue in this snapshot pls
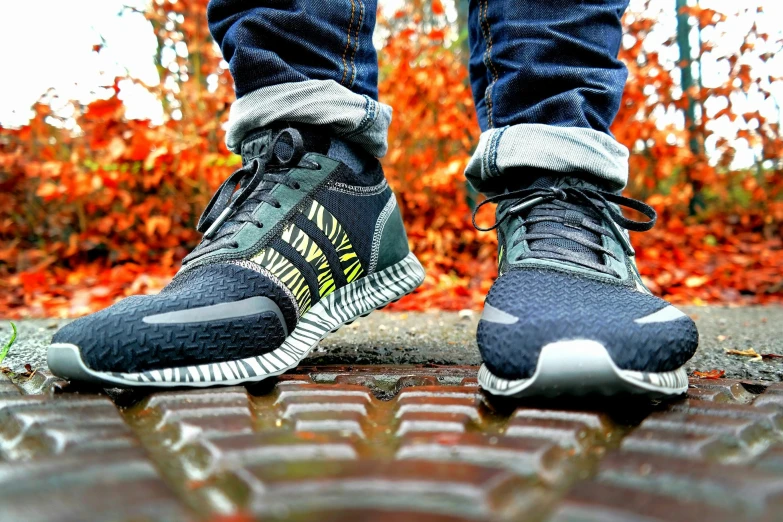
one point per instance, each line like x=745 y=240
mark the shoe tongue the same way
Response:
x=256 y=144
x=572 y=221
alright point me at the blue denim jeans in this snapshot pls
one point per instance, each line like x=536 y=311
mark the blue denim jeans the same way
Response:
x=545 y=77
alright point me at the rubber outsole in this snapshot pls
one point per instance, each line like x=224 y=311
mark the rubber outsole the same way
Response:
x=341 y=307
x=583 y=367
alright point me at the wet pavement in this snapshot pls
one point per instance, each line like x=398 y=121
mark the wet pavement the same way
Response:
x=385 y=442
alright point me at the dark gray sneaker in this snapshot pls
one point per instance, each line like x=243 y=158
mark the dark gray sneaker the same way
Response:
x=569 y=313
x=306 y=245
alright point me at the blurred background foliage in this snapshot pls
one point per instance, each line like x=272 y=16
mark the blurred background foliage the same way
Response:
x=106 y=206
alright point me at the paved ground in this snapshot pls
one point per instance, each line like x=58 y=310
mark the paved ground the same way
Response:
x=448 y=338
x=420 y=441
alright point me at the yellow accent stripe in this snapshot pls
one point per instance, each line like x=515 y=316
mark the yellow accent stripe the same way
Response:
x=334 y=231
x=309 y=250
x=286 y=273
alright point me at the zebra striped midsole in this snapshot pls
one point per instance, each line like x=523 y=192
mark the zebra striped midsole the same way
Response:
x=341 y=306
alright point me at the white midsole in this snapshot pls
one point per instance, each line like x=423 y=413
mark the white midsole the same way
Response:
x=581 y=367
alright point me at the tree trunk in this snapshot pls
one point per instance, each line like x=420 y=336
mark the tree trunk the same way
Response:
x=686 y=71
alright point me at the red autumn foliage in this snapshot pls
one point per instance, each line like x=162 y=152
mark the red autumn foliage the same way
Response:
x=91 y=216
x=709 y=375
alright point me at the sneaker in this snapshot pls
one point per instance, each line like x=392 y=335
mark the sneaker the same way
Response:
x=304 y=246
x=569 y=313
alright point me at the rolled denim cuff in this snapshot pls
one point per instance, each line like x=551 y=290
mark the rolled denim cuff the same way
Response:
x=558 y=149
x=350 y=116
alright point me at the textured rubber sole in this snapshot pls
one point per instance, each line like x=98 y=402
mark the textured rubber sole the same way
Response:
x=583 y=367
x=342 y=306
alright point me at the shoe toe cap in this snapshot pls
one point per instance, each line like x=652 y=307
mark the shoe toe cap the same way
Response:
x=529 y=309
x=142 y=333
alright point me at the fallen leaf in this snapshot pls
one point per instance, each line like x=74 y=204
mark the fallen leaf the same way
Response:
x=696 y=281
x=771 y=356
x=712 y=374
x=750 y=352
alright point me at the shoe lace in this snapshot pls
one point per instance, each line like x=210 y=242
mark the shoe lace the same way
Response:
x=235 y=201
x=567 y=223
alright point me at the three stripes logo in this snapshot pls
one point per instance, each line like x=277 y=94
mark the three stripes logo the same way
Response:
x=292 y=277
x=349 y=261
x=287 y=274
x=307 y=248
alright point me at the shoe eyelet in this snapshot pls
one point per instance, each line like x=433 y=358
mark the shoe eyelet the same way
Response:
x=259 y=225
x=297 y=186
x=317 y=166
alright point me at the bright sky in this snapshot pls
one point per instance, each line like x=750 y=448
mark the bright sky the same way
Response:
x=48 y=44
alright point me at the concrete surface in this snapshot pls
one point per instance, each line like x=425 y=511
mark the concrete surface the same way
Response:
x=445 y=338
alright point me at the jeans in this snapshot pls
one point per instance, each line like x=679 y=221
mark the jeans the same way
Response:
x=545 y=77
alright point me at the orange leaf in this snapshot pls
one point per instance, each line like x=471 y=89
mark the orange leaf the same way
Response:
x=696 y=281
x=712 y=374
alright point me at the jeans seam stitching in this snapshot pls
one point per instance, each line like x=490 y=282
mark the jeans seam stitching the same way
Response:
x=494 y=146
x=485 y=159
x=489 y=40
x=347 y=43
x=370 y=114
x=488 y=59
x=488 y=96
x=356 y=43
